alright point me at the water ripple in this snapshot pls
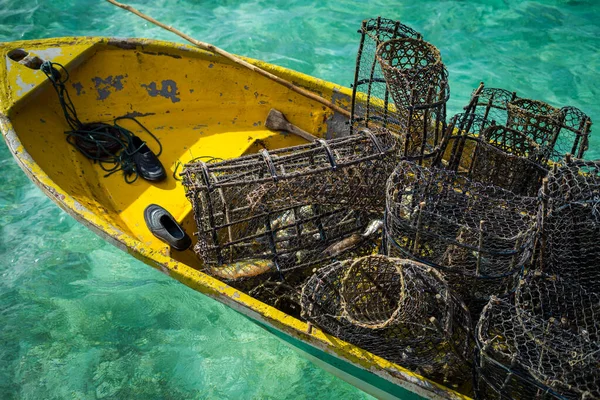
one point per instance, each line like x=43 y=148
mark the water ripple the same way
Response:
x=81 y=319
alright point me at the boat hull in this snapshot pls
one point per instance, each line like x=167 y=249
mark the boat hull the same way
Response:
x=113 y=210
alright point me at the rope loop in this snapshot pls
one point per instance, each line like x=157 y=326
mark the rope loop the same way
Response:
x=97 y=141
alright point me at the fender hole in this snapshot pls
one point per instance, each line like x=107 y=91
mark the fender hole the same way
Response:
x=32 y=62
x=17 y=54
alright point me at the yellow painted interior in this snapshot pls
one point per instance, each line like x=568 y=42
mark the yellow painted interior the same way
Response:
x=197 y=104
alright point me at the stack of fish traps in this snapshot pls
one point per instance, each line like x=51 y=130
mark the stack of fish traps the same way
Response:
x=480 y=236
x=545 y=341
x=420 y=239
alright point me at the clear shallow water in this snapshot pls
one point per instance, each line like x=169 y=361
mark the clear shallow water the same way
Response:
x=81 y=319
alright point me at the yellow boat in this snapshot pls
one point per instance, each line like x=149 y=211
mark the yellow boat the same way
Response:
x=197 y=104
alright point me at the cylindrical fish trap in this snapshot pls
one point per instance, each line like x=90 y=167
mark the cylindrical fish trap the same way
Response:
x=479 y=235
x=574 y=134
x=376 y=292
x=372 y=105
x=291 y=206
x=564 y=131
x=397 y=309
x=498 y=373
x=493 y=154
x=528 y=349
x=569 y=223
x=417 y=81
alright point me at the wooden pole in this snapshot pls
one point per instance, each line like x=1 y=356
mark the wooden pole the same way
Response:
x=237 y=60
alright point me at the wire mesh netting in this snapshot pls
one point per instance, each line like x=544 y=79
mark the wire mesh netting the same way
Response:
x=490 y=104
x=562 y=131
x=570 y=223
x=398 y=309
x=493 y=154
x=400 y=84
x=544 y=343
x=574 y=135
x=479 y=235
x=371 y=100
x=536 y=119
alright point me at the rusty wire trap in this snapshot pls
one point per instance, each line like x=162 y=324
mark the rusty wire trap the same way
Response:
x=562 y=131
x=371 y=100
x=493 y=154
x=479 y=235
x=400 y=84
x=569 y=223
x=544 y=344
x=398 y=309
x=291 y=207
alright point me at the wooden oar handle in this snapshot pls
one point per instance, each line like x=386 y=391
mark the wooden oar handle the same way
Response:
x=276 y=121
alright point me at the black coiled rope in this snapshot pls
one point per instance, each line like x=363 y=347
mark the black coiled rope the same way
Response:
x=109 y=145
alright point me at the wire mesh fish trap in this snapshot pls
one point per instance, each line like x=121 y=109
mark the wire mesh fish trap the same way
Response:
x=397 y=309
x=495 y=380
x=575 y=133
x=402 y=85
x=562 y=131
x=572 y=306
x=569 y=224
x=289 y=206
x=479 y=235
x=545 y=343
x=371 y=101
x=418 y=82
x=493 y=154
x=413 y=70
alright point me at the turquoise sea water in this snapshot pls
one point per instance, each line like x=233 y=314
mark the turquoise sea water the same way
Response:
x=80 y=319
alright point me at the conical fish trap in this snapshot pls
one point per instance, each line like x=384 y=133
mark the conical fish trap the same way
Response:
x=493 y=154
x=413 y=70
x=395 y=90
x=546 y=343
x=569 y=224
x=371 y=101
x=397 y=309
x=288 y=206
x=479 y=235
x=417 y=80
